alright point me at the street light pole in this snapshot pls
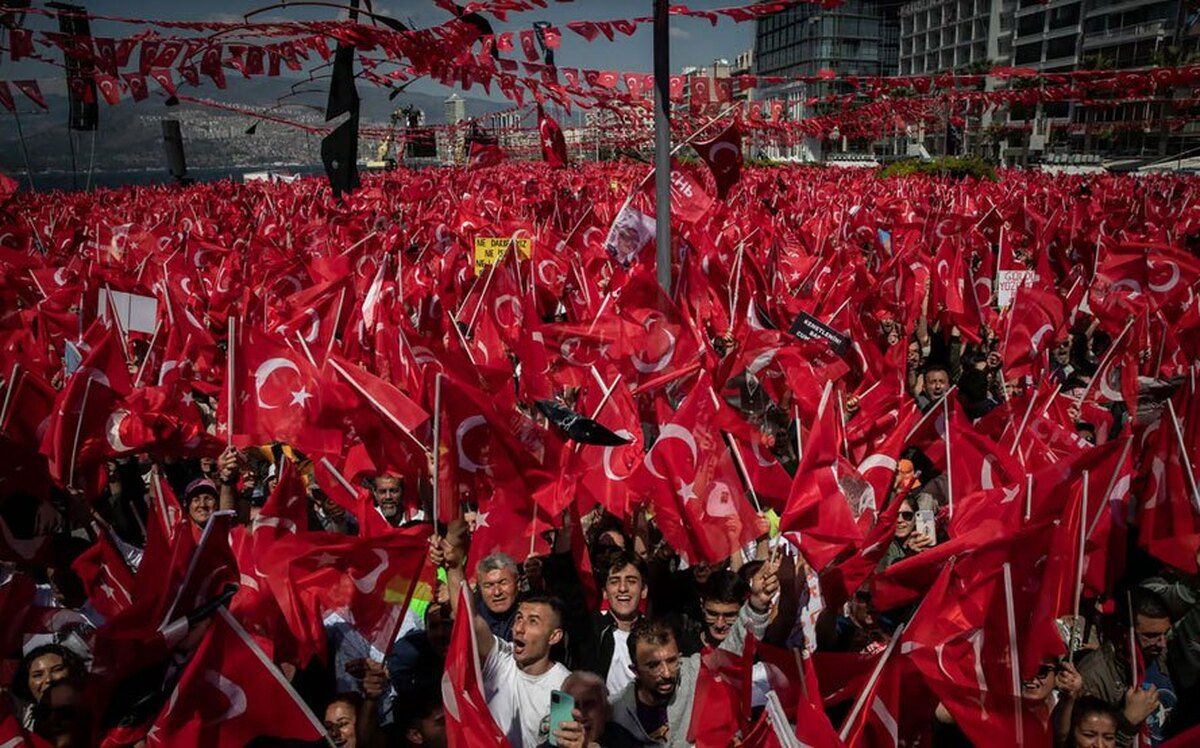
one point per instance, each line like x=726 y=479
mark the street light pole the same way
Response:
x=662 y=142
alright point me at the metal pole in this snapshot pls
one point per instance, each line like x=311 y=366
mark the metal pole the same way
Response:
x=662 y=142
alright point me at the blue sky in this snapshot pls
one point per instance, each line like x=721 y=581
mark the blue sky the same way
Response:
x=693 y=41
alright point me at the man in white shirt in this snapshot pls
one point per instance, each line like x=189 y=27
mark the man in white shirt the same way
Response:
x=518 y=675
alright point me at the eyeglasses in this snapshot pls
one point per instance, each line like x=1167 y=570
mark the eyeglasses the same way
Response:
x=906 y=516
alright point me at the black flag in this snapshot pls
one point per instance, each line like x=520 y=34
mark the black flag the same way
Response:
x=339 y=151
x=577 y=427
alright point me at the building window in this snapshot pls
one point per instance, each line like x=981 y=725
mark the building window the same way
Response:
x=1031 y=24
x=1063 y=46
x=1060 y=18
x=1027 y=53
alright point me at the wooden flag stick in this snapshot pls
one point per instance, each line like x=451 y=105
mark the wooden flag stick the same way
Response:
x=1013 y=652
x=1100 y=370
x=8 y=392
x=741 y=467
x=195 y=559
x=137 y=382
x=229 y=384
x=949 y=462
x=869 y=689
x=1083 y=523
x=390 y=416
x=437 y=450
x=1186 y=463
x=87 y=387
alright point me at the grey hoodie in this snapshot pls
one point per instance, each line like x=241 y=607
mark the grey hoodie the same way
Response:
x=679 y=710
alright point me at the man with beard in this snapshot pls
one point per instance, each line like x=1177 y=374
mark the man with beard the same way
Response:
x=389 y=497
x=656 y=708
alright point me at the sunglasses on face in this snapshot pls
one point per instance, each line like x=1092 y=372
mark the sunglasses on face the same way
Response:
x=906 y=516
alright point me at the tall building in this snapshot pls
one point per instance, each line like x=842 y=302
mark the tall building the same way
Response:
x=451 y=143
x=939 y=35
x=858 y=37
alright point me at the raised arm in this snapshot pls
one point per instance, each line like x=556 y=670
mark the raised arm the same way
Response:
x=450 y=553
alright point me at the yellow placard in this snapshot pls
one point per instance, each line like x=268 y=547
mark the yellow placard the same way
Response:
x=489 y=249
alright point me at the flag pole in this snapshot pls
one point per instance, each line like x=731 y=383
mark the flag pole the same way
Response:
x=869 y=689
x=1183 y=456
x=1014 y=659
x=229 y=385
x=8 y=392
x=435 y=494
x=304 y=347
x=741 y=466
x=662 y=142
x=377 y=405
x=949 y=462
x=341 y=479
x=194 y=560
x=1083 y=534
x=337 y=320
x=87 y=386
x=149 y=349
x=1100 y=371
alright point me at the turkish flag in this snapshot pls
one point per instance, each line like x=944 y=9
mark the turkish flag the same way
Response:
x=33 y=91
x=485 y=155
x=230 y=693
x=30 y=406
x=110 y=88
x=554 y=145
x=693 y=485
x=603 y=472
x=276 y=395
x=366 y=580
x=723 y=154
x=818 y=512
x=1168 y=516
x=469 y=724
x=106 y=576
x=721 y=706
x=974 y=626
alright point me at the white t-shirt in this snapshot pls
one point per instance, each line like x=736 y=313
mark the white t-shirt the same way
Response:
x=518 y=702
x=619 y=674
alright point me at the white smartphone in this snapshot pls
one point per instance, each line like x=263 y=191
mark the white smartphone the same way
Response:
x=926 y=524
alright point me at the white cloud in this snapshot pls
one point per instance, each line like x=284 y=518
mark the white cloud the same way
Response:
x=678 y=33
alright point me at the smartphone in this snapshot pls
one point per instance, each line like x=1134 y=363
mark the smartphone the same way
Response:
x=925 y=524
x=561 y=707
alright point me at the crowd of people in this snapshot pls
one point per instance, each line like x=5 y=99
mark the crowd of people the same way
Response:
x=845 y=484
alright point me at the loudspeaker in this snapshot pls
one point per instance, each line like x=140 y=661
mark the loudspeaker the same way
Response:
x=81 y=87
x=173 y=144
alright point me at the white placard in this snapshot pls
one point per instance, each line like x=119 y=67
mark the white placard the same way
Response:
x=135 y=313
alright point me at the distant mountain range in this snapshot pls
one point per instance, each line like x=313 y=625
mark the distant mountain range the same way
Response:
x=130 y=136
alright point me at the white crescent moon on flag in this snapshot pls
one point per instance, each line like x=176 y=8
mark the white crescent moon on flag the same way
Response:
x=315 y=330
x=720 y=148
x=264 y=372
x=1160 y=287
x=464 y=462
x=1035 y=340
x=112 y=430
x=367 y=583
x=670 y=431
x=513 y=303
x=606 y=460
x=232 y=691
x=877 y=461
